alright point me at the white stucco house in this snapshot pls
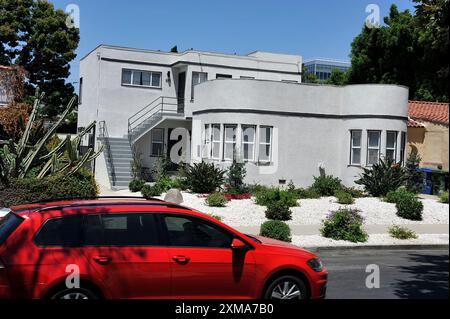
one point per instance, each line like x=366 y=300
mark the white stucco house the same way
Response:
x=203 y=106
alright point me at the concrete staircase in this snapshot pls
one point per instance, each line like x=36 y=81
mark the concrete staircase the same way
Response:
x=118 y=162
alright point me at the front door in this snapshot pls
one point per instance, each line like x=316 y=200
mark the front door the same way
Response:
x=123 y=250
x=202 y=262
x=181 y=91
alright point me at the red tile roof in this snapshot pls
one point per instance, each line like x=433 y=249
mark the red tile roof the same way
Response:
x=413 y=123
x=429 y=111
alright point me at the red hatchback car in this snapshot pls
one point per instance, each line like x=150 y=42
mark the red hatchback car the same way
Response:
x=139 y=249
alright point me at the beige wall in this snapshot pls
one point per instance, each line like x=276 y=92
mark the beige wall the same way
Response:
x=431 y=143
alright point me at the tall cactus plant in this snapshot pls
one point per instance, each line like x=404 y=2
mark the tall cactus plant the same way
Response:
x=18 y=158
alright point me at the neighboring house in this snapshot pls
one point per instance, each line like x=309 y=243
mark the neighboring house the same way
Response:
x=322 y=68
x=4 y=96
x=428 y=133
x=217 y=107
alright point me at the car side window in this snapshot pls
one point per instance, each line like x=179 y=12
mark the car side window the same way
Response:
x=62 y=231
x=193 y=232
x=131 y=229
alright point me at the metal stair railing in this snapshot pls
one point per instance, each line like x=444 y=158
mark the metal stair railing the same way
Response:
x=103 y=133
x=159 y=106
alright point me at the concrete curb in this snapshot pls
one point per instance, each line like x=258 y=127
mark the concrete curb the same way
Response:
x=379 y=247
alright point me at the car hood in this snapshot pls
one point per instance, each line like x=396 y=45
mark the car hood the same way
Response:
x=284 y=247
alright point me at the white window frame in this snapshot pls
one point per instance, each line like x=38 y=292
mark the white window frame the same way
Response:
x=153 y=141
x=133 y=71
x=355 y=147
x=378 y=148
x=206 y=151
x=215 y=142
x=226 y=142
x=244 y=126
x=395 y=144
x=265 y=144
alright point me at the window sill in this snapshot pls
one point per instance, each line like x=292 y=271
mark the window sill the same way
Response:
x=142 y=86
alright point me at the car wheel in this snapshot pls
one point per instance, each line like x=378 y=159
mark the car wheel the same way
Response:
x=287 y=287
x=74 y=294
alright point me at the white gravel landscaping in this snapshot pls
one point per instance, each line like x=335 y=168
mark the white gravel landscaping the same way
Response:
x=374 y=240
x=313 y=211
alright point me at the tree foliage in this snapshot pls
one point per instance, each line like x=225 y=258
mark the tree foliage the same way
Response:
x=35 y=35
x=409 y=49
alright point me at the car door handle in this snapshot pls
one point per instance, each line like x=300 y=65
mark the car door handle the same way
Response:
x=181 y=259
x=103 y=260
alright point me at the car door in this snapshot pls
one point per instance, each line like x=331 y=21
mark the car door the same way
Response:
x=123 y=249
x=202 y=262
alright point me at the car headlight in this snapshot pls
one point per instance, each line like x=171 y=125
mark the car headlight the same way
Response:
x=315 y=264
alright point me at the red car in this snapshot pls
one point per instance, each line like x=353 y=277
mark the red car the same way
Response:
x=135 y=248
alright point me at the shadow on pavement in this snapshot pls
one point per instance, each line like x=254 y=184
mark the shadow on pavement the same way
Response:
x=429 y=275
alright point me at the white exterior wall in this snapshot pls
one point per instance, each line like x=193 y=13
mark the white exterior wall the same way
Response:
x=320 y=135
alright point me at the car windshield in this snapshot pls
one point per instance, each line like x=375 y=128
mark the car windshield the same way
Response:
x=8 y=224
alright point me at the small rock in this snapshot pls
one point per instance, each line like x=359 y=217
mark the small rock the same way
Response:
x=174 y=196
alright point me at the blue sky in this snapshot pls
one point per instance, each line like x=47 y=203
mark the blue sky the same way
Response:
x=311 y=28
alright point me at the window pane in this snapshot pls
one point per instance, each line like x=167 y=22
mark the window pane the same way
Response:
x=157 y=135
x=248 y=134
x=8 y=225
x=216 y=149
x=157 y=149
x=248 y=152
x=146 y=78
x=356 y=156
x=216 y=132
x=229 y=151
x=374 y=139
x=137 y=77
x=126 y=77
x=156 y=79
x=64 y=231
x=356 y=138
x=265 y=134
x=373 y=157
x=184 y=232
x=203 y=77
x=230 y=133
x=93 y=230
x=129 y=230
x=391 y=139
x=390 y=154
x=264 y=153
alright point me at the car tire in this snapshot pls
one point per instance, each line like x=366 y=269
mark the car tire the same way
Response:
x=286 y=287
x=79 y=293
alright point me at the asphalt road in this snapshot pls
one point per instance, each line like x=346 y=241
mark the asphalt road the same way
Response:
x=413 y=274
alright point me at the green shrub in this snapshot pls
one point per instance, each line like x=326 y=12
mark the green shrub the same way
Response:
x=409 y=207
x=356 y=193
x=271 y=195
x=204 y=178
x=394 y=196
x=344 y=224
x=164 y=183
x=136 y=185
x=382 y=178
x=414 y=177
x=256 y=188
x=216 y=200
x=22 y=191
x=344 y=198
x=402 y=233
x=235 y=178
x=276 y=229
x=308 y=193
x=326 y=185
x=444 y=197
x=149 y=191
x=278 y=211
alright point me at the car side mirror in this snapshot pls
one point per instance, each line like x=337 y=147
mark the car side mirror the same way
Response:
x=238 y=244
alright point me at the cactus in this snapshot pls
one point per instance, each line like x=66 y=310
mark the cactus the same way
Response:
x=17 y=159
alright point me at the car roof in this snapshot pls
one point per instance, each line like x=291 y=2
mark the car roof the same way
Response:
x=101 y=201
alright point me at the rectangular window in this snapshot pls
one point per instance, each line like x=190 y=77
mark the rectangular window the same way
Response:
x=80 y=92
x=373 y=147
x=229 y=146
x=223 y=76
x=391 y=145
x=215 y=141
x=64 y=231
x=197 y=78
x=157 y=142
x=355 y=147
x=265 y=144
x=247 y=77
x=248 y=142
x=403 y=148
x=141 y=78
